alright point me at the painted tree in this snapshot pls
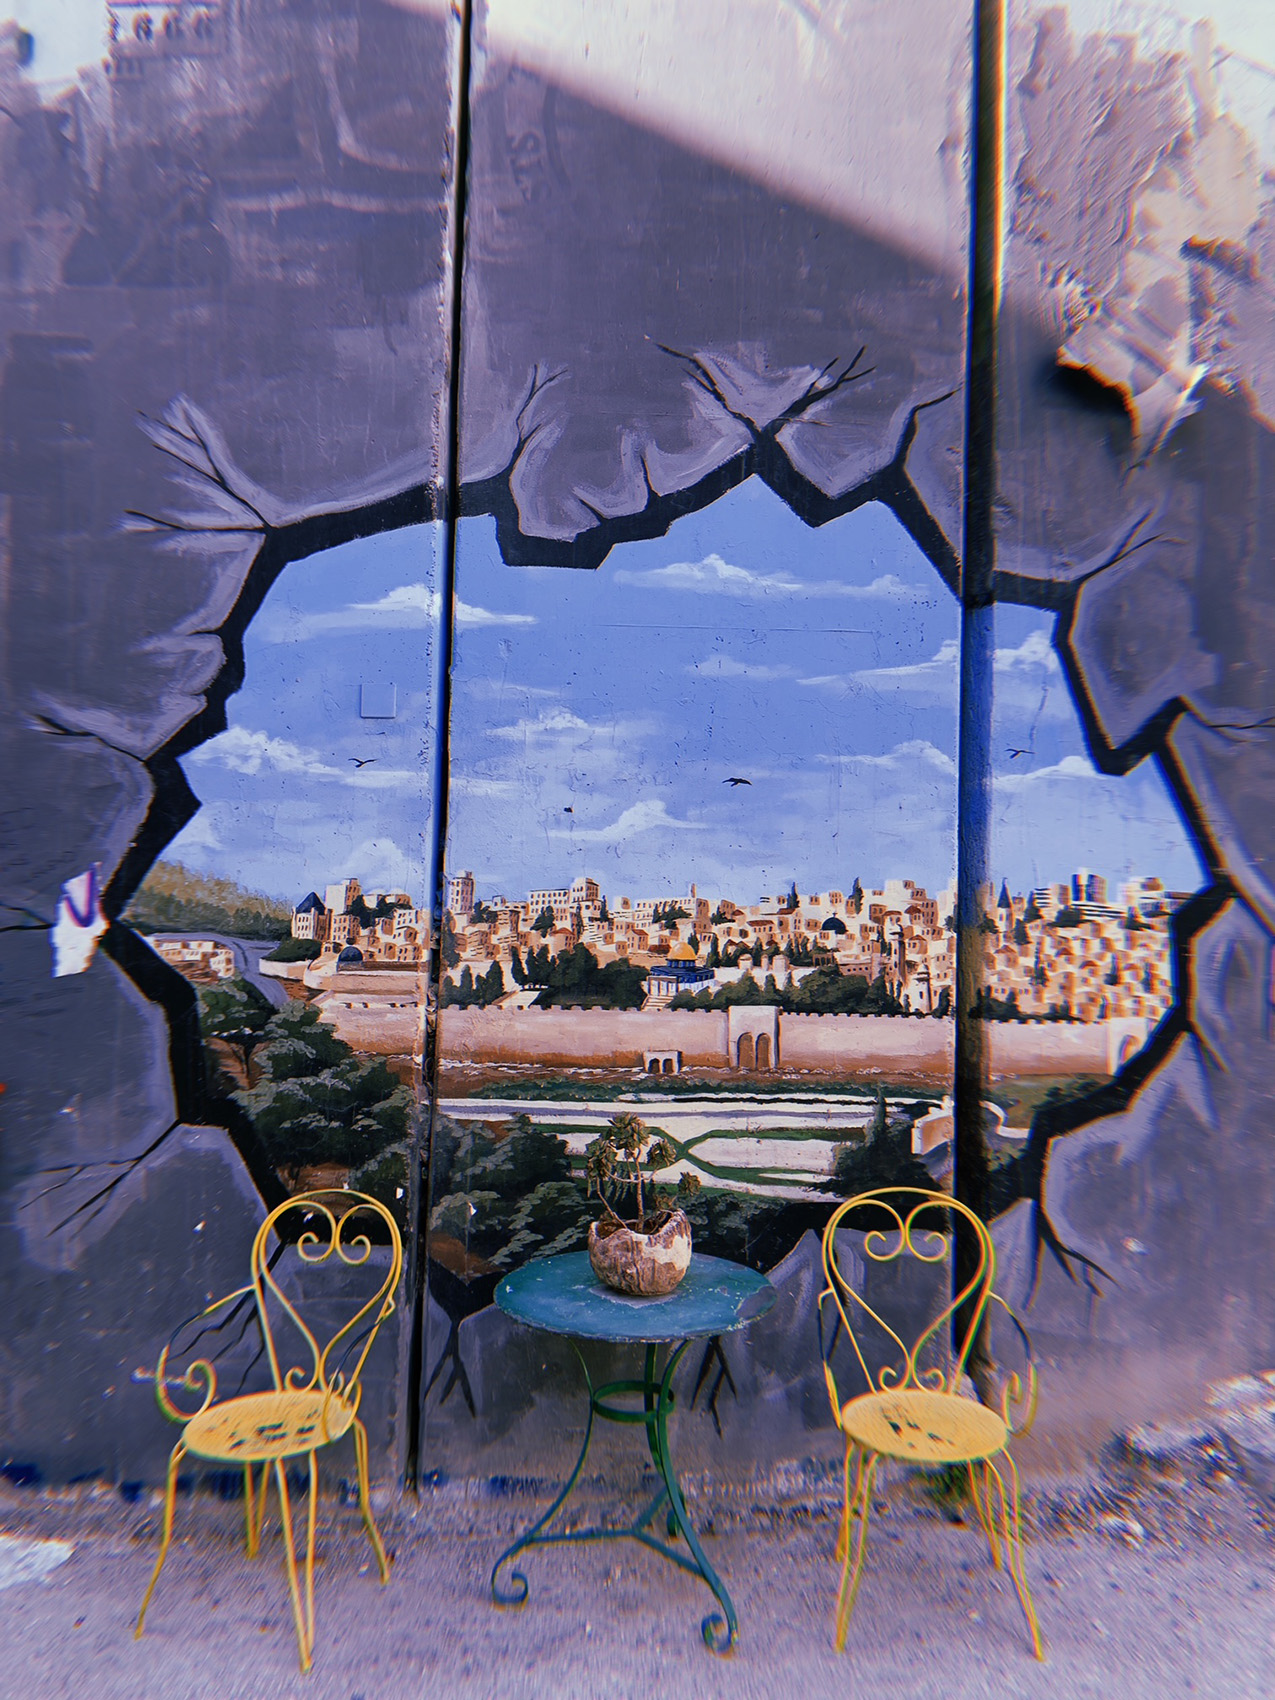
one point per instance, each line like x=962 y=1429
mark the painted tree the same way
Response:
x=237 y=1014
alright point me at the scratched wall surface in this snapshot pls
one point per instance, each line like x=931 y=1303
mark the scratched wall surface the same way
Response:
x=704 y=633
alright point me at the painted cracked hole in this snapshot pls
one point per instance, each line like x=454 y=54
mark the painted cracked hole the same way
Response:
x=816 y=668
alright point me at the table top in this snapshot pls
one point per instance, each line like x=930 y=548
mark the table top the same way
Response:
x=564 y=1296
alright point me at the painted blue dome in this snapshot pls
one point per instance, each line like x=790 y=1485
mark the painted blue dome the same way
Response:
x=350 y=957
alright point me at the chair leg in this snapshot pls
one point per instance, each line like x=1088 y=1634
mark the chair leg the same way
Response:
x=1012 y=1534
x=852 y=1573
x=170 y=1498
x=311 y=1518
x=261 y=1506
x=848 y=1495
x=365 y=1502
x=252 y=1522
x=981 y=1494
x=290 y=1556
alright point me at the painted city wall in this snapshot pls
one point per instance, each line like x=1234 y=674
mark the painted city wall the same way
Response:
x=849 y=1045
x=552 y=573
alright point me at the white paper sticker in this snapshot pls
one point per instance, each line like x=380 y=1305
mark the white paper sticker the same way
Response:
x=80 y=923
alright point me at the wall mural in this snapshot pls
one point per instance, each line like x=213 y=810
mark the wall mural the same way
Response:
x=701 y=793
x=791 y=1049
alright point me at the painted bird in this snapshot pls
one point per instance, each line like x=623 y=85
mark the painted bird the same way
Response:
x=568 y=811
x=364 y=761
x=735 y=781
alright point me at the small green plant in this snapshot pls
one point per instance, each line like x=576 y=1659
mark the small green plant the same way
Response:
x=615 y=1159
x=948 y=1487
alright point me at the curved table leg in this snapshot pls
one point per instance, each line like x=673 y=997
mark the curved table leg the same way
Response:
x=719 y=1629
x=517 y=1595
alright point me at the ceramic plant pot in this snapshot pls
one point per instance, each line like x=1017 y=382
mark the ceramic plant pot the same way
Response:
x=645 y=1261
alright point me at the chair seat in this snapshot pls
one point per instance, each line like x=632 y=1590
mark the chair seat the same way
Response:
x=924 y=1427
x=258 y=1427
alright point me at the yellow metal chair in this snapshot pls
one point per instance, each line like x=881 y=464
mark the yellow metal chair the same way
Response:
x=312 y=1404
x=916 y=1414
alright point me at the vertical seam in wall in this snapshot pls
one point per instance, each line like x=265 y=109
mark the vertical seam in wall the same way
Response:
x=978 y=562
x=419 y=1179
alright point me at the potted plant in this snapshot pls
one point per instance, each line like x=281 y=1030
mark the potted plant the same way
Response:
x=645 y=1258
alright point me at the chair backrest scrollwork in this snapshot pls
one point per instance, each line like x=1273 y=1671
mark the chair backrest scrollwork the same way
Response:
x=333 y=1225
x=911 y=1222
x=326 y=1218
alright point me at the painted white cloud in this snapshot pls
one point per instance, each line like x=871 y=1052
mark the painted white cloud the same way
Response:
x=714 y=576
x=469 y=785
x=503 y=688
x=727 y=667
x=240 y=749
x=199 y=836
x=405 y=608
x=914 y=753
x=563 y=728
x=1021 y=673
x=1033 y=653
x=288 y=845
x=554 y=723
x=384 y=865
x=935 y=676
x=1066 y=815
x=1069 y=768
x=647 y=816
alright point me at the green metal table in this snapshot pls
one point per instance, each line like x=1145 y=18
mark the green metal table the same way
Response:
x=563 y=1296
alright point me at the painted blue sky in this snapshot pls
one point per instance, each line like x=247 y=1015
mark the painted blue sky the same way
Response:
x=284 y=807
x=597 y=716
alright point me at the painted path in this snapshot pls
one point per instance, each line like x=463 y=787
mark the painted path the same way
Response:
x=721 y=1139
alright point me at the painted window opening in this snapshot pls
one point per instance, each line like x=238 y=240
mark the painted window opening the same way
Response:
x=653 y=767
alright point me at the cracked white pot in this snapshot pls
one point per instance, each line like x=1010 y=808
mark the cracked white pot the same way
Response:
x=644 y=1260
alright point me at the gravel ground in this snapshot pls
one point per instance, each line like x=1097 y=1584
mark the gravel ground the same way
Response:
x=1148 y=1582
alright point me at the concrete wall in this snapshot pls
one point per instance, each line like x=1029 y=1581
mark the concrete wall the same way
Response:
x=224 y=349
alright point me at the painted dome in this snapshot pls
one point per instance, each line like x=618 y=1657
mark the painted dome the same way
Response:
x=350 y=957
x=681 y=953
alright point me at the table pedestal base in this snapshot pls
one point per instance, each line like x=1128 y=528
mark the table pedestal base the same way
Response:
x=655 y=1389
